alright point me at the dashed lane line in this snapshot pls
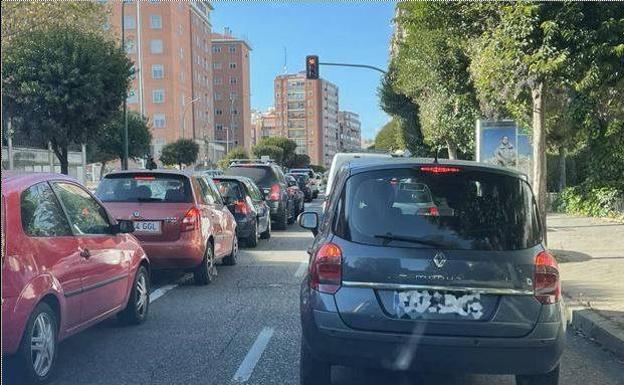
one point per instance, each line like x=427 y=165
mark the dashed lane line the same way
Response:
x=161 y=291
x=250 y=361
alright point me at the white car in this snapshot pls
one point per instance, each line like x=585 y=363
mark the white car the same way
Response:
x=344 y=157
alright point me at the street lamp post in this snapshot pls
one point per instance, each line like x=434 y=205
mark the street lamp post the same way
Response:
x=124 y=161
x=184 y=114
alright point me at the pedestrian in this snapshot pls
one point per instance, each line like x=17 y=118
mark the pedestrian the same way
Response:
x=151 y=164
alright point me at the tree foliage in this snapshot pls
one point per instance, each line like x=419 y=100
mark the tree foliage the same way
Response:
x=300 y=161
x=274 y=152
x=108 y=145
x=288 y=147
x=181 y=152
x=235 y=153
x=63 y=85
x=387 y=137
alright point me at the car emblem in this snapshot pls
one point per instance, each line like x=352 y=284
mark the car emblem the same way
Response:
x=440 y=259
x=136 y=214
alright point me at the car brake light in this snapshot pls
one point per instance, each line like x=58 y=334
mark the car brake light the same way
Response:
x=439 y=169
x=546 y=281
x=326 y=269
x=144 y=177
x=274 y=193
x=429 y=211
x=241 y=207
x=191 y=219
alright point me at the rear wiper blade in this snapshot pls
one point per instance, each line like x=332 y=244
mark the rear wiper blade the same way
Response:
x=388 y=237
x=149 y=199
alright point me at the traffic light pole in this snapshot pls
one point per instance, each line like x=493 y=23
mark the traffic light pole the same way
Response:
x=353 y=65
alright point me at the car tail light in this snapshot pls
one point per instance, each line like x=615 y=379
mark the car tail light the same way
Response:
x=191 y=219
x=241 y=207
x=429 y=211
x=274 y=193
x=326 y=269
x=439 y=169
x=144 y=177
x=546 y=281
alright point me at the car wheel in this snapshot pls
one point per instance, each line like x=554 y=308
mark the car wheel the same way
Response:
x=550 y=378
x=281 y=221
x=267 y=233
x=311 y=370
x=252 y=240
x=232 y=258
x=206 y=272
x=38 y=349
x=138 y=303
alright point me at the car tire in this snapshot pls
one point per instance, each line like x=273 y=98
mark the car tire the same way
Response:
x=232 y=258
x=206 y=272
x=137 y=307
x=252 y=240
x=42 y=326
x=311 y=370
x=267 y=233
x=281 y=221
x=550 y=378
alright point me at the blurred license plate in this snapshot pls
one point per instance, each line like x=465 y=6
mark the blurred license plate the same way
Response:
x=415 y=303
x=147 y=226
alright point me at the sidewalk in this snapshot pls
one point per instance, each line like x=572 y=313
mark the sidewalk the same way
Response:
x=590 y=252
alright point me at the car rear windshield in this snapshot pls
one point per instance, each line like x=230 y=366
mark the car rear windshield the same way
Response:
x=307 y=171
x=440 y=207
x=145 y=188
x=263 y=176
x=301 y=177
x=230 y=188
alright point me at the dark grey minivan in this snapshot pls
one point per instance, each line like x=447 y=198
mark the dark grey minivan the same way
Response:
x=432 y=266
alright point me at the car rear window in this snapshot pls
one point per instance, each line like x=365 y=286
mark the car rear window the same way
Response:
x=444 y=207
x=231 y=188
x=263 y=176
x=301 y=178
x=167 y=188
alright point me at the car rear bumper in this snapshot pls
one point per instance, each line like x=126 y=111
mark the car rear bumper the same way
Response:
x=275 y=207
x=12 y=328
x=245 y=227
x=180 y=254
x=332 y=341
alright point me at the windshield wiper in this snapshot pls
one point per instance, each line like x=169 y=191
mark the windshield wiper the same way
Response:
x=389 y=237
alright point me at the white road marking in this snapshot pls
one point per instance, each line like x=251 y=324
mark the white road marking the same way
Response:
x=302 y=268
x=253 y=356
x=161 y=291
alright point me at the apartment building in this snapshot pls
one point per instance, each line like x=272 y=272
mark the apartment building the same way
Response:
x=264 y=125
x=231 y=84
x=170 y=44
x=350 y=131
x=307 y=112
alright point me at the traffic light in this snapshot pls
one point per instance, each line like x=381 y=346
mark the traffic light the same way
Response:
x=312 y=67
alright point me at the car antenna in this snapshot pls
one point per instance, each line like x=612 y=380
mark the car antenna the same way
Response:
x=435 y=160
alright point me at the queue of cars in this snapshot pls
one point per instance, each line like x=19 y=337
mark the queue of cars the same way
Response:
x=75 y=258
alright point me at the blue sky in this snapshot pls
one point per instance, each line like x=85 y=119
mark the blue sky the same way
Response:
x=356 y=32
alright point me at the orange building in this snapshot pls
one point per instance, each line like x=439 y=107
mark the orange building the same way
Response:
x=307 y=112
x=170 y=44
x=231 y=82
x=264 y=125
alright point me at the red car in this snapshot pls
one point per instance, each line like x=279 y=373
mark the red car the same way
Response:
x=179 y=218
x=66 y=265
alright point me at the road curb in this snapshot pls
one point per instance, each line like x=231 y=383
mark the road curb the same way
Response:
x=597 y=327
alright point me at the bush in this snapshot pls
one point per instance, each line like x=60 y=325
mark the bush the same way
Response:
x=235 y=153
x=274 y=152
x=604 y=201
x=180 y=152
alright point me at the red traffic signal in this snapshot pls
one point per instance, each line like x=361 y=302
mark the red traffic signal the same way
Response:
x=312 y=67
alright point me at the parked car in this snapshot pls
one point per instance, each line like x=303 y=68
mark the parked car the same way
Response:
x=179 y=218
x=66 y=265
x=303 y=180
x=453 y=278
x=314 y=180
x=246 y=202
x=270 y=178
x=297 y=194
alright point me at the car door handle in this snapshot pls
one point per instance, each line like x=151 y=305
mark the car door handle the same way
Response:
x=85 y=253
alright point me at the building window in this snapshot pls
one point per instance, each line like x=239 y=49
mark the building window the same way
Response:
x=232 y=65
x=219 y=127
x=232 y=79
x=159 y=121
x=218 y=111
x=129 y=22
x=180 y=29
x=217 y=96
x=182 y=76
x=132 y=97
x=232 y=49
x=155 y=21
x=234 y=111
x=216 y=49
x=156 y=46
x=233 y=96
x=158 y=72
x=217 y=81
x=216 y=65
x=158 y=96
x=130 y=46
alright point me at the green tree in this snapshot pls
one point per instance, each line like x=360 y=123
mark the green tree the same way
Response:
x=108 y=145
x=288 y=147
x=181 y=152
x=387 y=137
x=274 y=152
x=63 y=85
x=300 y=161
x=317 y=168
x=235 y=153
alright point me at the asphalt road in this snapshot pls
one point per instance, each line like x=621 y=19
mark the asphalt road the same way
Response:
x=244 y=328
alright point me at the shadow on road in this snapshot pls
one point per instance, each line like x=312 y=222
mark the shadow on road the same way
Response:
x=564 y=256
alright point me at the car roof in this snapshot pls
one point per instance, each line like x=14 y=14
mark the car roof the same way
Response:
x=156 y=171
x=370 y=164
x=233 y=177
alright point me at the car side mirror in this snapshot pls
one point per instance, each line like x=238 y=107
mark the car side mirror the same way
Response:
x=309 y=220
x=123 y=226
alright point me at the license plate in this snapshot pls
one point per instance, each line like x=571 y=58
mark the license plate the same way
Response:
x=147 y=227
x=415 y=303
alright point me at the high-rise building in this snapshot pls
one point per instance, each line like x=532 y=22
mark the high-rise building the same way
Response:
x=264 y=125
x=170 y=45
x=350 y=132
x=232 y=104
x=307 y=112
